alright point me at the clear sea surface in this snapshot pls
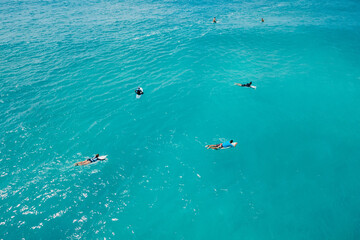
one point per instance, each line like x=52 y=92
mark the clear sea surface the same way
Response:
x=68 y=71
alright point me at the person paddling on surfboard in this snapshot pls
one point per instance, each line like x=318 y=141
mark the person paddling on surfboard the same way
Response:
x=139 y=91
x=244 y=85
x=90 y=160
x=228 y=144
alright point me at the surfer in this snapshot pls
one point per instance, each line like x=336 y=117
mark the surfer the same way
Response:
x=139 y=91
x=244 y=85
x=262 y=20
x=228 y=144
x=88 y=161
x=214 y=20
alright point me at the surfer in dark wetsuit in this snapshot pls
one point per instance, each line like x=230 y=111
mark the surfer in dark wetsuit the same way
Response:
x=88 y=161
x=244 y=85
x=214 y=20
x=139 y=91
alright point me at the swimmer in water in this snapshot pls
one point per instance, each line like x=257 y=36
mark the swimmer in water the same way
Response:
x=244 y=85
x=262 y=20
x=88 y=161
x=228 y=144
x=214 y=20
x=139 y=91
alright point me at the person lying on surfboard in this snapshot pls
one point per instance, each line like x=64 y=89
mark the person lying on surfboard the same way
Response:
x=244 y=85
x=90 y=160
x=139 y=91
x=228 y=144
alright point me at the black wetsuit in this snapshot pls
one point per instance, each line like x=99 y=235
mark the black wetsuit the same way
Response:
x=246 y=85
x=139 y=92
x=94 y=159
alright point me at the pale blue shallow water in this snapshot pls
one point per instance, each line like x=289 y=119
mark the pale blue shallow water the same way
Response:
x=68 y=70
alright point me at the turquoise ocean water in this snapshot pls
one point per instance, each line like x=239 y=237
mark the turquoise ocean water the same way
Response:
x=68 y=71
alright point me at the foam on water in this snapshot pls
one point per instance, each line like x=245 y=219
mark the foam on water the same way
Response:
x=68 y=71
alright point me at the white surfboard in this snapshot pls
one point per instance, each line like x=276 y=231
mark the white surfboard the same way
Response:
x=102 y=157
x=254 y=87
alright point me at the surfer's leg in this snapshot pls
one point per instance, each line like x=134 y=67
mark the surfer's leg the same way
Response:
x=215 y=146
x=82 y=163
